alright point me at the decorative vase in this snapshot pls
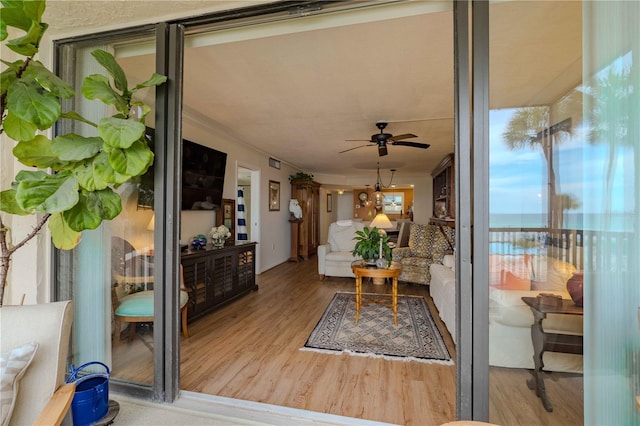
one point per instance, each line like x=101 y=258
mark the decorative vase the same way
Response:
x=575 y=287
x=199 y=242
x=381 y=263
x=218 y=242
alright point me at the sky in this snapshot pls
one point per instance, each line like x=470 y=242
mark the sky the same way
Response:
x=518 y=178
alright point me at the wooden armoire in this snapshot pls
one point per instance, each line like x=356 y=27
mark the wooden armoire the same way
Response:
x=308 y=195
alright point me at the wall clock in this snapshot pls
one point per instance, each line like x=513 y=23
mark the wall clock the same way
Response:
x=363 y=196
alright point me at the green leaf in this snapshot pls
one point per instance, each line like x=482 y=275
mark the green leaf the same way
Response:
x=85 y=175
x=34 y=9
x=109 y=63
x=53 y=193
x=63 y=237
x=133 y=161
x=100 y=173
x=120 y=133
x=72 y=147
x=84 y=215
x=49 y=80
x=24 y=175
x=28 y=101
x=37 y=153
x=3 y=31
x=14 y=16
x=97 y=86
x=8 y=76
x=72 y=115
x=106 y=202
x=155 y=80
x=103 y=171
x=27 y=45
x=9 y=204
x=19 y=129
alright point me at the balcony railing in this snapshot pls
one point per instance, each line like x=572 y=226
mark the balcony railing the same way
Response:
x=569 y=245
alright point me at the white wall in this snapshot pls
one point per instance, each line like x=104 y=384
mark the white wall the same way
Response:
x=422 y=201
x=345 y=205
x=274 y=245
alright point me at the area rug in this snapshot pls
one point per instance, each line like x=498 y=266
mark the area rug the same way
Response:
x=416 y=338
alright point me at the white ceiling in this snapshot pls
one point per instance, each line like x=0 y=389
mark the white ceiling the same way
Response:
x=298 y=89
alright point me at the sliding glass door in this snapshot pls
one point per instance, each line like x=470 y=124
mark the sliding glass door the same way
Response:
x=122 y=276
x=563 y=212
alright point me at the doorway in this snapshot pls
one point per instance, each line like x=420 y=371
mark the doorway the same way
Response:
x=249 y=181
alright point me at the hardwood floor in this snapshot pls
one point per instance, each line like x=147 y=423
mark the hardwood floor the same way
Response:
x=249 y=350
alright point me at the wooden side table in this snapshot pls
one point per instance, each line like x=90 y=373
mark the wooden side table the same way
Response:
x=361 y=269
x=551 y=342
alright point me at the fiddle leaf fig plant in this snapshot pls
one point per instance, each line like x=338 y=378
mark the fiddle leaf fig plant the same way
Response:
x=70 y=180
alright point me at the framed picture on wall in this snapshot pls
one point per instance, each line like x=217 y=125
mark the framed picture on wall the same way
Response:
x=329 y=203
x=227 y=216
x=274 y=196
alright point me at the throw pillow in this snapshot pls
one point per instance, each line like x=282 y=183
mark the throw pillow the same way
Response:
x=558 y=273
x=341 y=237
x=420 y=238
x=13 y=365
x=512 y=282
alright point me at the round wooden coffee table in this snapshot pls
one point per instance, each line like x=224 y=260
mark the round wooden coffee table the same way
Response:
x=361 y=269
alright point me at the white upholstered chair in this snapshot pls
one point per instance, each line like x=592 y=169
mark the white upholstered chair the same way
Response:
x=335 y=257
x=48 y=325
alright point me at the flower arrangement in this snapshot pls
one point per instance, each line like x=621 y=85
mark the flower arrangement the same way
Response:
x=218 y=234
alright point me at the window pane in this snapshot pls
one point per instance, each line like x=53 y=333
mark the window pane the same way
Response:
x=110 y=274
x=537 y=207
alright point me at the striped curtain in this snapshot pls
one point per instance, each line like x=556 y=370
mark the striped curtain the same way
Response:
x=242 y=223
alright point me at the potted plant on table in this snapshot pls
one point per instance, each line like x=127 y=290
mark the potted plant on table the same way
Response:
x=372 y=245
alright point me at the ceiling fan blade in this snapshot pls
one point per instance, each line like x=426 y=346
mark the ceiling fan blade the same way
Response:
x=412 y=144
x=351 y=149
x=405 y=136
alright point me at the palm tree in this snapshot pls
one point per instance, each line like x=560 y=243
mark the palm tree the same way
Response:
x=565 y=202
x=529 y=128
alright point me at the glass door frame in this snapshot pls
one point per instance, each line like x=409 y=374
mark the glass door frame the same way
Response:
x=471 y=150
x=166 y=182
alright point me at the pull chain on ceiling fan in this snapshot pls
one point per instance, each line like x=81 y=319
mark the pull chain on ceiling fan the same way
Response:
x=380 y=140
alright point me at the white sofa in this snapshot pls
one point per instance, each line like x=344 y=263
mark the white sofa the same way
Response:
x=443 y=291
x=517 y=276
x=335 y=257
x=510 y=319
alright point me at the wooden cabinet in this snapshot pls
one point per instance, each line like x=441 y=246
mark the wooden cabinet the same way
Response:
x=444 y=192
x=308 y=195
x=214 y=277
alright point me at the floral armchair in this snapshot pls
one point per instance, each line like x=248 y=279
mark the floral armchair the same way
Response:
x=427 y=244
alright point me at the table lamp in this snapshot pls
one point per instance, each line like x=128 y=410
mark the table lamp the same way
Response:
x=381 y=221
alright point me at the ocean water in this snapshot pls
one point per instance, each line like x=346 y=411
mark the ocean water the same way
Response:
x=616 y=222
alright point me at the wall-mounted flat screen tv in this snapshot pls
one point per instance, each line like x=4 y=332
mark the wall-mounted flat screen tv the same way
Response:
x=203 y=171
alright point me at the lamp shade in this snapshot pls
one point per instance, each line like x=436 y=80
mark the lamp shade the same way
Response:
x=152 y=223
x=381 y=221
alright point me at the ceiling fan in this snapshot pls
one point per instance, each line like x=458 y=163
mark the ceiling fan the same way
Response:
x=381 y=139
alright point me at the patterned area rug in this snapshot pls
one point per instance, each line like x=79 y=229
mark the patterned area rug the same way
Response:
x=416 y=338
